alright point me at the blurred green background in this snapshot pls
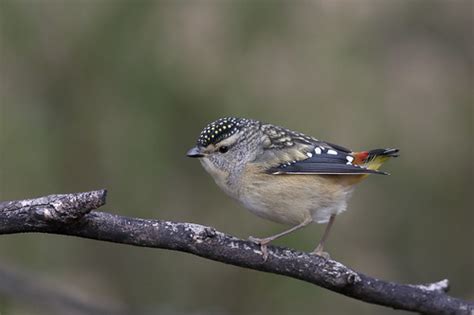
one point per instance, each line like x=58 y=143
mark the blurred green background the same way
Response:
x=111 y=94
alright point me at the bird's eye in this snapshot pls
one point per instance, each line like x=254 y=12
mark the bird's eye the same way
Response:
x=223 y=149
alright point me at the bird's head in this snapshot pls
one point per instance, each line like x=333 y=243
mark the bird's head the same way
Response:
x=226 y=145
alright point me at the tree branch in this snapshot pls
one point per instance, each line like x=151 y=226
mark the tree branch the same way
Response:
x=70 y=214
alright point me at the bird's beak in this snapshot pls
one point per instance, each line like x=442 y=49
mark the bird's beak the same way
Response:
x=195 y=153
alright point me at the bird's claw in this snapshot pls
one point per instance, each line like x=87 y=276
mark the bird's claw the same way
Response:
x=321 y=254
x=263 y=245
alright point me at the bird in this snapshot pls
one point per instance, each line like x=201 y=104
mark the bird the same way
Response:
x=283 y=175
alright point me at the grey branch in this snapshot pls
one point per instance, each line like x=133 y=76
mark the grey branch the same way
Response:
x=71 y=214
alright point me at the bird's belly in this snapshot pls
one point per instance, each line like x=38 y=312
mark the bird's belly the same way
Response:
x=275 y=211
x=279 y=199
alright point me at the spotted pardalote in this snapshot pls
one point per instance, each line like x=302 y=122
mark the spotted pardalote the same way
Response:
x=283 y=175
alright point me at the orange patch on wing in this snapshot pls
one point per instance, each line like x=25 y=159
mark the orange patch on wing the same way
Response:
x=360 y=157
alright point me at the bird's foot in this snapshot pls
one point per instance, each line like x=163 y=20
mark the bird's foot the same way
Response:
x=324 y=255
x=263 y=242
x=319 y=252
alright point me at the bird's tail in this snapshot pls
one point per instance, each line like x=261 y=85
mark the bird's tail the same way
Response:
x=373 y=159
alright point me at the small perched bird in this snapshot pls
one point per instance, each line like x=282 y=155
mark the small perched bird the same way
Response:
x=283 y=175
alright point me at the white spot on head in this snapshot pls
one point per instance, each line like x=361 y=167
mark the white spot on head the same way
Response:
x=317 y=150
x=332 y=152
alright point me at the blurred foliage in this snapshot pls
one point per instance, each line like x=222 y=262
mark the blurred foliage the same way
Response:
x=112 y=93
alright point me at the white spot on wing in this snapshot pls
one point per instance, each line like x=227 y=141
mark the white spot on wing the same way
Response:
x=317 y=150
x=349 y=158
x=309 y=154
x=332 y=152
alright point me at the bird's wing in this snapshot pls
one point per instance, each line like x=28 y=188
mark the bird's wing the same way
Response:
x=288 y=152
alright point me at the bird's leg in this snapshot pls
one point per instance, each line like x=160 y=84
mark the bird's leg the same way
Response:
x=263 y=242
x=319 y=249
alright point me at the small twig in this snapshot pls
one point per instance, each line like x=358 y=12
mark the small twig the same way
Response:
x=70 y=215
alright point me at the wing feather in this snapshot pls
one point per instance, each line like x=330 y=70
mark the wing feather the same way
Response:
x=321 y=160
x=290 y=152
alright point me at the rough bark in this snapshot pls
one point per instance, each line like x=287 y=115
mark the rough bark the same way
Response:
x=71 y=214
